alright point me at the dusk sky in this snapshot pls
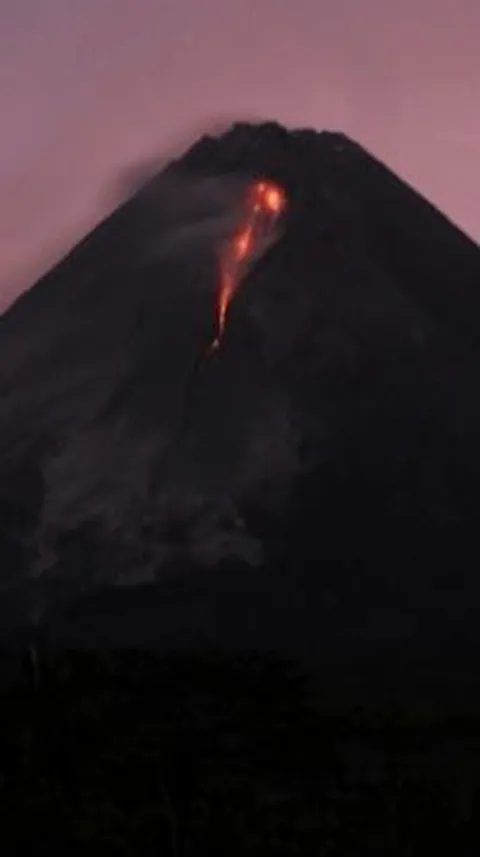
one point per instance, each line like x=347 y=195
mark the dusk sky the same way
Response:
x=89 y=87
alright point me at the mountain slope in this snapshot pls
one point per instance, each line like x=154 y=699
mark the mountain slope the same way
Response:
x=315 y=482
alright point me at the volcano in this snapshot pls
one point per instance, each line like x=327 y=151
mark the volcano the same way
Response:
x=312 y=484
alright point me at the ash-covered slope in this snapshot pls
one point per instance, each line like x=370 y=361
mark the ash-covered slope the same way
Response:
x=316 y=481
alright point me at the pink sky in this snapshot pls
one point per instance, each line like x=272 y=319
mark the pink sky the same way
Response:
x=92 y=86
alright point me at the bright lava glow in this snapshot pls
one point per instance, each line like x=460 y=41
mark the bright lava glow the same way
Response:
x=264 y=204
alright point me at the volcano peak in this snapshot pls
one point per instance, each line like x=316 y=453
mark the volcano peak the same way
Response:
x=327 y=454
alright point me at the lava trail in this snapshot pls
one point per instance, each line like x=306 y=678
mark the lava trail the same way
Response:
x=265 y=202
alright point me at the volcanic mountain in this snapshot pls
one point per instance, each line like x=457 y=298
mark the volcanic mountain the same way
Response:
x=313 y=483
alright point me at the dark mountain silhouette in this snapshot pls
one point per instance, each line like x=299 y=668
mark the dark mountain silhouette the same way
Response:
x=314 y=486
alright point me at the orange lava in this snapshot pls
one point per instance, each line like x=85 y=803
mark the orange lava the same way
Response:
x=264 y=204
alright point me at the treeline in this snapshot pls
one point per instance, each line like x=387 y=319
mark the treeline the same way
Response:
x=133 y=754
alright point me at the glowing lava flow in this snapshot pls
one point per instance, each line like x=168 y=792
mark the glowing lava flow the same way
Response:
x=264 y=205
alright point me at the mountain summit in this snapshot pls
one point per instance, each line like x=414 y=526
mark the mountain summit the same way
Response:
x=314 y=482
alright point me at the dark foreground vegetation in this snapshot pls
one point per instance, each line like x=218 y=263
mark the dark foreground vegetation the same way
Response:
x=132 y=754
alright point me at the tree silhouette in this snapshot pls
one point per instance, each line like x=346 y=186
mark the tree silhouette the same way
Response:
x=128 y=753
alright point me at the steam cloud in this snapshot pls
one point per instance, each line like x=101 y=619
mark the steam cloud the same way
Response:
x=182 y=214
